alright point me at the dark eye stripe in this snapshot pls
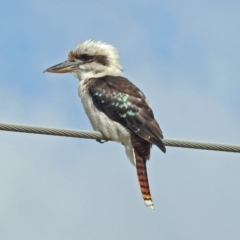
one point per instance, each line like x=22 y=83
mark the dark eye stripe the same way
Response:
x=85 y=57
x=102 y=60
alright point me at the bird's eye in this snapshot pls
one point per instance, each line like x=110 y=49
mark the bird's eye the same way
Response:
x=85 y=57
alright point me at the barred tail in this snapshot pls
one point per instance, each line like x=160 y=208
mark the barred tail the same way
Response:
x=143 y=181
x=142 y=153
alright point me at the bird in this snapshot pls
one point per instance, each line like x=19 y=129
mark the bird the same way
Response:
x=114 y=105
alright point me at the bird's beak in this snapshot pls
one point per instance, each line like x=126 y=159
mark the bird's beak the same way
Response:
x=63 y=67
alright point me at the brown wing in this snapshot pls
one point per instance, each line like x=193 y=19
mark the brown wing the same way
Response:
x=124 y=103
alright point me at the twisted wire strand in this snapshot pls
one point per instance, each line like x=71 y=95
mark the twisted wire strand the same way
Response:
x=99 y=136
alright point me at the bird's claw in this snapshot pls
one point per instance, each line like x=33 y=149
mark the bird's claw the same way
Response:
x=102 y=141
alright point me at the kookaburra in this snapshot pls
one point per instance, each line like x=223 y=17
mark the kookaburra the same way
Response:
x=114 y=105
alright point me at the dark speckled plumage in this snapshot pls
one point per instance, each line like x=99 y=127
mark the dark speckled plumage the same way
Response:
x=124 y=103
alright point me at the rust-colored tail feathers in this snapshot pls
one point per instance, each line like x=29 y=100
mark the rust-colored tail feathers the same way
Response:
x=143 y=181
x=142 y=153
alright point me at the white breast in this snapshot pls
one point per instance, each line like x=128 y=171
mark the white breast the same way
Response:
x=100 y=122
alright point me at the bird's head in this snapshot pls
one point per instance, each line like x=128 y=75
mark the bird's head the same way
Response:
x=90 y=59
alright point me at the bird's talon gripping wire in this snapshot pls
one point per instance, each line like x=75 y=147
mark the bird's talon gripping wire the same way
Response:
x=102 y=141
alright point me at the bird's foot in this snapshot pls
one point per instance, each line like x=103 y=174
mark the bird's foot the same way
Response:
x=102 y=141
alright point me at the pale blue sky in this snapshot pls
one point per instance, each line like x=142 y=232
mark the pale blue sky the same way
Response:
x=185 y=56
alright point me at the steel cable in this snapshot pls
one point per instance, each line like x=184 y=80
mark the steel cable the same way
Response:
x=98 y=136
